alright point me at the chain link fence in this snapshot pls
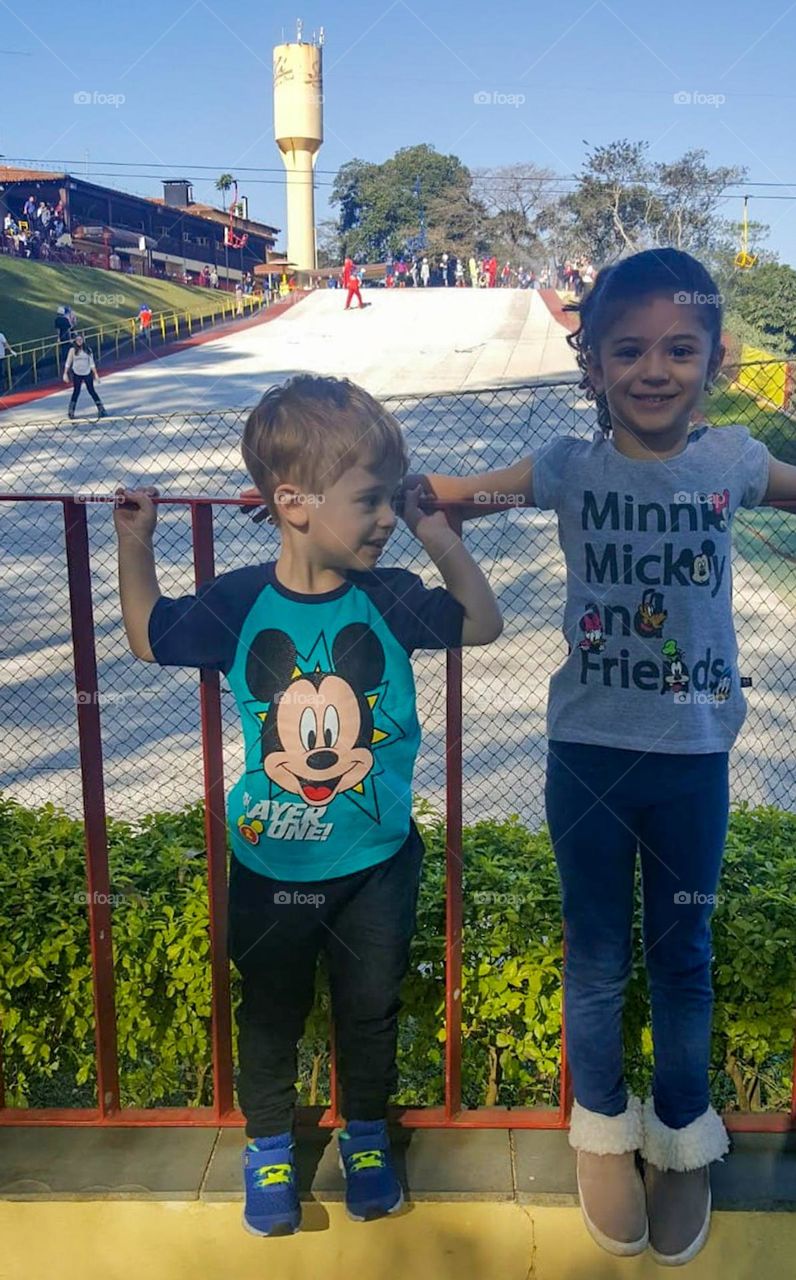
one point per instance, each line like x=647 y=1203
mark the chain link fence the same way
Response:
x=150 y=717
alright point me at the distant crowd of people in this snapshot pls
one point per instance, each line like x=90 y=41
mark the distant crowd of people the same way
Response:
x=452 y=271
x=38 y=231
x=575 y=275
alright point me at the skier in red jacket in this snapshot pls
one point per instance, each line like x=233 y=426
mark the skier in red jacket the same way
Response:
x=351 y=283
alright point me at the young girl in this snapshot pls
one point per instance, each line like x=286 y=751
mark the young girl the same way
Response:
x=641 y=717
x=80 y=363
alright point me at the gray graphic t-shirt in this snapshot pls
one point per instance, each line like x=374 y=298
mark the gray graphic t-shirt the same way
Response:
x=653 y=659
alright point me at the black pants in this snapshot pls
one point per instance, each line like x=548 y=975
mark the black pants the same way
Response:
x=364 y=922
x=77 y=382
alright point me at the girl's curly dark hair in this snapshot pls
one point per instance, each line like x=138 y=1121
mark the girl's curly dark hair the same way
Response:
x=654 y=271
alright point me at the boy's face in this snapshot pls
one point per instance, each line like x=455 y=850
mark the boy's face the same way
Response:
x=350 y=521
x=652 y=365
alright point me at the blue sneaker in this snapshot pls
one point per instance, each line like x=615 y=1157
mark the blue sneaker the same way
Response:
x=371 y=1187
x=269 y=1177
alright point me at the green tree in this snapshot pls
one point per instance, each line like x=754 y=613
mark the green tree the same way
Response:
x=611 y=208
x=689 y=195
x=624 y=202
x=515 y=200
x=223 y=185
x=765 y=298
x=328 y=243
x=380 y=205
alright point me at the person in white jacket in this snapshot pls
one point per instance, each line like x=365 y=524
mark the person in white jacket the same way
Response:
x=80 y=363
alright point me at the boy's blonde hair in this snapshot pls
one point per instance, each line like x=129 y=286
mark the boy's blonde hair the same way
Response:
x=311 y=429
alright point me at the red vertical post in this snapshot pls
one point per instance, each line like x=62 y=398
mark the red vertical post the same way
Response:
x=334 y=1084
x=215 y=833
x=565 y=1079
x=93 y=784
x=453 y=872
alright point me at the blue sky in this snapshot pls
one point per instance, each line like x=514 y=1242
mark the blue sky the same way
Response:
x=195 y=78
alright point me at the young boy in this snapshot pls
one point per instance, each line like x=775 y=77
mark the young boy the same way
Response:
x=316 y=646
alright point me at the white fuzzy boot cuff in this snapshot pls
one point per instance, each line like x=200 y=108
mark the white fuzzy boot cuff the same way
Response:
x=606 y=1135
x=703 y=1140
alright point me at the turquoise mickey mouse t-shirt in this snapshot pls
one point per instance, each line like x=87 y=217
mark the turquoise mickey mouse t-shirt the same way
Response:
x=326 y=695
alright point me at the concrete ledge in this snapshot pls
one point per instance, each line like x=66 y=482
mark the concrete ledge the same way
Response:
x=530 y=1167
x=103 y=1164
x=164 y=1240
x=758 y=1175
x=432 y=1164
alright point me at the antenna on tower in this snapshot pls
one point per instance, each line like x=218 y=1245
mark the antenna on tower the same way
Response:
x=299 y=25
x=321 y=38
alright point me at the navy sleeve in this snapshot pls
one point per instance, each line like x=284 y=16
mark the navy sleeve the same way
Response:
x=203 y=630
x=421 y=617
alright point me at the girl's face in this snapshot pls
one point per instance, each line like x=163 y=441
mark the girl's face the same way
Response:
x=653 y=363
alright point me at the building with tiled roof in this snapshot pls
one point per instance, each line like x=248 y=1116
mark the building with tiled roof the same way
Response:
x=172 y=234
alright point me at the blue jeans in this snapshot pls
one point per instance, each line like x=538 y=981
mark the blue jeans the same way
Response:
x=604 y=804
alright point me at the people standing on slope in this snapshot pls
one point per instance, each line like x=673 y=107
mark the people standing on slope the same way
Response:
x=80 y=364
x=351 y=284
x=145 y=322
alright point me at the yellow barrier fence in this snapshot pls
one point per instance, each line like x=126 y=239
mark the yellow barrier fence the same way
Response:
x=31 y=356
x=764 y=378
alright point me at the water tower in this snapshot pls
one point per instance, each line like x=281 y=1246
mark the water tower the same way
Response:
x=298 y=129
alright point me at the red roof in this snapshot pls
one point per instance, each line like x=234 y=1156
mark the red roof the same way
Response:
x=211 y=212
x=10 y=174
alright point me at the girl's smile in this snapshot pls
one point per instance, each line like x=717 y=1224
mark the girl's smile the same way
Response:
x=652 y=366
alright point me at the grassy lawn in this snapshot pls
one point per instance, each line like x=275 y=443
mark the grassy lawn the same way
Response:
x=31 y=291
x=766 y=538
x=778 y=431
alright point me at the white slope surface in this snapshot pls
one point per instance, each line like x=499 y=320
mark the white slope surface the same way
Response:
x=404 y=340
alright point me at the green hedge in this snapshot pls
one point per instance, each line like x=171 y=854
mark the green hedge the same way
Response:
x=511 y=995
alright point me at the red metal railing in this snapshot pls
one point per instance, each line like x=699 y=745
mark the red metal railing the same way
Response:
x=109 y=1110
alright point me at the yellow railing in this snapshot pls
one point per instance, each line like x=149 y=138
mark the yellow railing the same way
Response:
x=128 y=332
